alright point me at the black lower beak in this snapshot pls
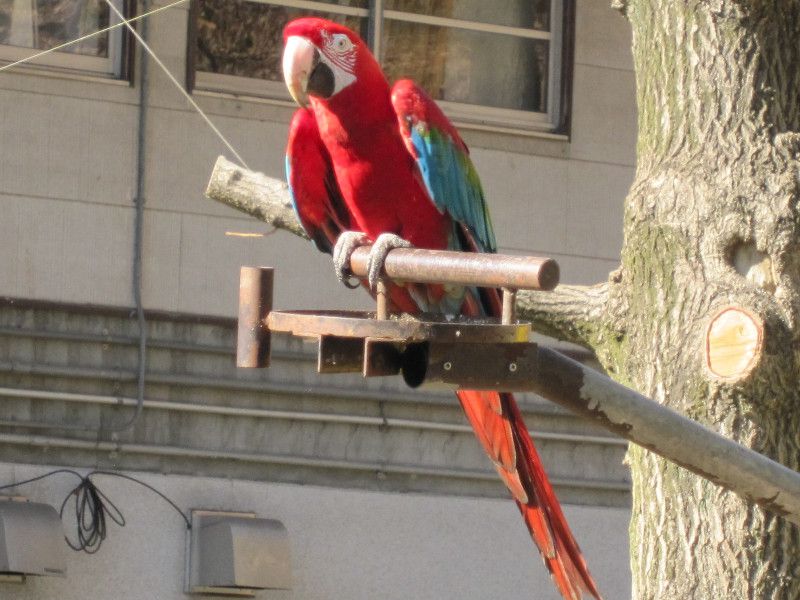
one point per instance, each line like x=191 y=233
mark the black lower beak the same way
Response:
x=321 y=81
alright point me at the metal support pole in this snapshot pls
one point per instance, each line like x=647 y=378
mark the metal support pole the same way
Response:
x=382 y=301
x=623 y=411
x=255 y=303
x=509 y=308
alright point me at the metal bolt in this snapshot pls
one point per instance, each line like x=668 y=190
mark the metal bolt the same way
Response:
x=447 y=366
x=512 y=367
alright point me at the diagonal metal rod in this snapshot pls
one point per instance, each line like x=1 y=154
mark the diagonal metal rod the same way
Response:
x=667 y=433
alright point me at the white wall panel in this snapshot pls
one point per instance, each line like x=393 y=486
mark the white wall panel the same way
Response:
x=526 y=197
x=345 y=544
x=66 y=251
x=69 y=148
x=602 y=36
x=595 y=198
x=603 y=115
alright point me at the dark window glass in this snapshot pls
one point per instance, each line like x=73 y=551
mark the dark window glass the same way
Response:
x=528 y=14
x=469 y=67
x=236 y=37
x=43 y=24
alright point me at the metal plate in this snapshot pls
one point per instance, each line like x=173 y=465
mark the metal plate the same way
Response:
x=381 y=358
x=402 y=328
x=500 y=367
x=340 y=354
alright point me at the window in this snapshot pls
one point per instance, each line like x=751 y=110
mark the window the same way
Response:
x=30 y=25
x=495 y=64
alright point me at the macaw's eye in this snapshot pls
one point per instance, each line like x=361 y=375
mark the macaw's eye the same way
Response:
x=341 y=43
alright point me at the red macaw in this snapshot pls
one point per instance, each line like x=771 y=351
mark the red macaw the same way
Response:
x=367 y=163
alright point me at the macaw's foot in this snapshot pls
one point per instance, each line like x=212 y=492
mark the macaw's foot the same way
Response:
x=345 y=246
x=377 y=256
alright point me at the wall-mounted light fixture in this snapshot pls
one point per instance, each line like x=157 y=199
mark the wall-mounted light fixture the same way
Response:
x=236 y=554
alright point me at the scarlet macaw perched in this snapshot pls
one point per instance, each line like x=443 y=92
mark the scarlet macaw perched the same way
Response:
x=367 y=163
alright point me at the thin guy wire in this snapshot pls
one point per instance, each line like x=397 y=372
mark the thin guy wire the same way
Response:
x=86 y=37
x=177 y=84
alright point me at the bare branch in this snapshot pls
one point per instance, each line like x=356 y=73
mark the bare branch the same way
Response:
x=570 y=312
x=265 y=198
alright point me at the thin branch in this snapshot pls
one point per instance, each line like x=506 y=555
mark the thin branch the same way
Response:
x=571 y=313
x=265 y=198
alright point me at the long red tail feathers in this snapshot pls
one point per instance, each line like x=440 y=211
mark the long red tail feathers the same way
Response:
x=499 y=427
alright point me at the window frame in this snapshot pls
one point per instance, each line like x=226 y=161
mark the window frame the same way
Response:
x=554 y=121
x=113 y=66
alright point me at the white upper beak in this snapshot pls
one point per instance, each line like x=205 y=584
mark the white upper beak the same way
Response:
x=298 y=61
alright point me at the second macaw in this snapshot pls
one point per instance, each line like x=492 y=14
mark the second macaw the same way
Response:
x=367 y=163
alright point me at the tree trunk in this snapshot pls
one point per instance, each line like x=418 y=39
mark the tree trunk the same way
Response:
x=711 y=221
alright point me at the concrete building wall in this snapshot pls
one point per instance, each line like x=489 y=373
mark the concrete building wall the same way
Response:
x=344 y=544
x=68 y=173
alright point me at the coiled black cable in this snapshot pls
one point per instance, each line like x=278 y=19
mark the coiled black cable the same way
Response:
x=93 y=508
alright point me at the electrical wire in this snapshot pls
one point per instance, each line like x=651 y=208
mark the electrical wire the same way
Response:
x=127 y=23
x=93 y=509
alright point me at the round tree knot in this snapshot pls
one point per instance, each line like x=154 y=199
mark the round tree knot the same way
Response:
x=734 y=343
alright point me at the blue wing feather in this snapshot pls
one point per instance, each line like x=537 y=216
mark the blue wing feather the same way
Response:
x=444 y=164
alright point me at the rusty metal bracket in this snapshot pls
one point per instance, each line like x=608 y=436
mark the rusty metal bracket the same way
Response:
x=481 y=354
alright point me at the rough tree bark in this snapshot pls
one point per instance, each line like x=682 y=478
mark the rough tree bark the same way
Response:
x=712 y=221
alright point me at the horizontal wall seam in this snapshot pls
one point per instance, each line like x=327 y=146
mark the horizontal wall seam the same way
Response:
x=286 y=415
x=264 y=386
x=120 y=340
x=216 y=455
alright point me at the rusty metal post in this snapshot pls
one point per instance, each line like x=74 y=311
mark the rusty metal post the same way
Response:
x=255 y=303
x=382 y=300
x=509 y=306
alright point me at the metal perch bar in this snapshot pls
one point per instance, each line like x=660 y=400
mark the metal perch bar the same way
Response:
x=462 y=268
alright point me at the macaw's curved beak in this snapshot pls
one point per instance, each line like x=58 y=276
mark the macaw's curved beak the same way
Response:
x=304 y=71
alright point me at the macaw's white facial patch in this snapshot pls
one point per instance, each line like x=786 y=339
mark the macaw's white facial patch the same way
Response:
x=338 y=52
